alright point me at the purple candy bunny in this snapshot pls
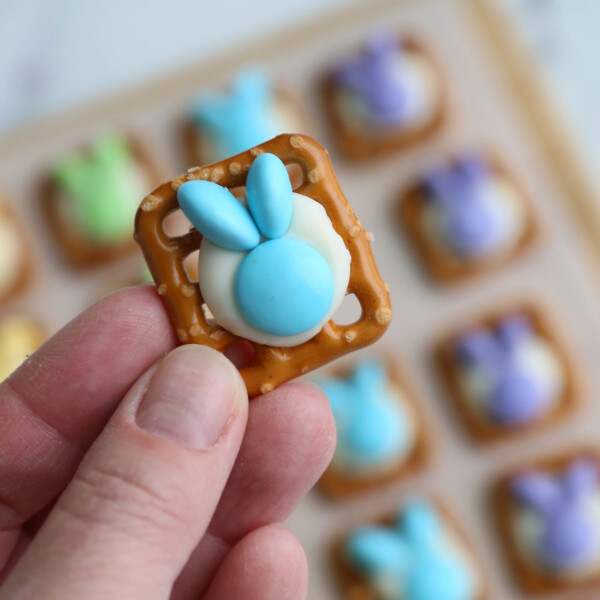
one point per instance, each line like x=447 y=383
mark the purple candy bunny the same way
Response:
x=517 y=394
x=471 y=223
x=570 y=535
x=374 y=76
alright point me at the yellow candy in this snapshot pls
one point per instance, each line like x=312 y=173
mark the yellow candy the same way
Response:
x=19 y=337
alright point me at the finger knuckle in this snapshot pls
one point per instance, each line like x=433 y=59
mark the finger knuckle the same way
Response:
x=103 y=496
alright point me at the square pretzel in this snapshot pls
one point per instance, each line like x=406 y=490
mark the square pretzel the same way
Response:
x=272 y=365
x=72 y=243
x=503 y=507
x=543 y=323
x=439 y=263
x=356 y=587
x=337 y=485
x=355 y=145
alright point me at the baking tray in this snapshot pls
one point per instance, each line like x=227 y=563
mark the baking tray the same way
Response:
x=498 y=102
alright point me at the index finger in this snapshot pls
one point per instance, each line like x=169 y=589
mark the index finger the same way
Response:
x=58 y=401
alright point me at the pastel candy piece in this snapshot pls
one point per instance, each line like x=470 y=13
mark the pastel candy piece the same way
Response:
x=518 y=397
x=375 y=77
x=376 y=432
x=269 y=195
x=581 y=477
x=421 y=523
x=375 y=550
x=19 y=337
x=536 y=489
x=241 y=119
x=371 y=425
x=216 y=214
x=473 y=227
x=102 y=188
x=569 y=535
x=478 y=347
x=514 y=330
x=284 y=287
x=370 y=377
x=439 y=577
x=569 y=539
x=473 y=221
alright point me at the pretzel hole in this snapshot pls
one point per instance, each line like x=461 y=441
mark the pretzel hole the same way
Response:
x=296 y=174
x=238 y=191
x=190 y=264
x=176 y=224
x=241 y=353
x=349 y=312
x=208 y=316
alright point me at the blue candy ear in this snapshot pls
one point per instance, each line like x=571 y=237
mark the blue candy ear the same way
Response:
x=228 y=111
x=269 y=195
x=377 y=551
x=338 y=392
x=217 y=215
x=252 y=86
x=420 y=523
x=370 y=377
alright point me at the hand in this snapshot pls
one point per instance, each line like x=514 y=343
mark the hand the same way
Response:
x=169 y=483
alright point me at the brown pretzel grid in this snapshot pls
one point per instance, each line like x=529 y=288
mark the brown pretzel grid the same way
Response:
x=272 y=365
x=532 y=580
x=358 y=146
x=544 y=324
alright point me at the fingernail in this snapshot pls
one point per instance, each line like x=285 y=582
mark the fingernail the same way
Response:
x=191 y=397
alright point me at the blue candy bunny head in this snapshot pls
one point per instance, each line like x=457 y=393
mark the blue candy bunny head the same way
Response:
x=241 y=119
x=372 y=425
x=472 y=222
x=570 y=533
x=516 y=392
x=374 y=76
x=412 y=559
x=254 y=254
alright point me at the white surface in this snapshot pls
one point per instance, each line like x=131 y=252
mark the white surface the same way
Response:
x=60 y=53
x=565 y=38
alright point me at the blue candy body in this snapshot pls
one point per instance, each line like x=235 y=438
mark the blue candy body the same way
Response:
x=372 y=427
x=374 y=549
x=412 y=556
x=284 y=287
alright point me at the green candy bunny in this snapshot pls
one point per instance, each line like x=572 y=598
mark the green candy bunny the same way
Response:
x=103 y=188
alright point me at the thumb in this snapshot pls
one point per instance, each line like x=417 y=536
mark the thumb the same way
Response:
x=146 y=491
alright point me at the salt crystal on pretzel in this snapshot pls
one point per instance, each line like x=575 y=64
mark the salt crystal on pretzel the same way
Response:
x=321 y=252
